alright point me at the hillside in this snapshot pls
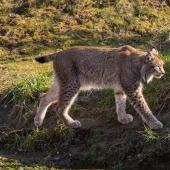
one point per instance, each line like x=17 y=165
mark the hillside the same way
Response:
x=34 y=27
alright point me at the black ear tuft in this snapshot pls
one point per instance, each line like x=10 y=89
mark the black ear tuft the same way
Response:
x=40 y=59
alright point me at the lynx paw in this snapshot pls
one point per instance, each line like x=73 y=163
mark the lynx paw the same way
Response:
x=125 y=119
x=38 y=122
x=75 y=124
x=155 y=125
x=153 y=122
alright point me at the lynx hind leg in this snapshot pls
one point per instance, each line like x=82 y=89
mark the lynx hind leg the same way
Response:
x=67 y=97
x=45 y=101
x=120 y=99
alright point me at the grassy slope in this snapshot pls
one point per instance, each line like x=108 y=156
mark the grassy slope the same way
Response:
x=30 y=28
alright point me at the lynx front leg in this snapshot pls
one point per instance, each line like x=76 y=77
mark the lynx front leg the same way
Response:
x=120 y=99
x=137 y=99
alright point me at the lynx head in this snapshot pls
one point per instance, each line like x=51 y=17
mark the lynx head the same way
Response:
x=152 y=67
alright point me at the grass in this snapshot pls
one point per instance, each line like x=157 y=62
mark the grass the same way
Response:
x=28 y=142
x=30 y=86
x=17 y=71
x=35 y=139
x=150 y=135
x=12 y=164
x=106 y=99
x=58 y=25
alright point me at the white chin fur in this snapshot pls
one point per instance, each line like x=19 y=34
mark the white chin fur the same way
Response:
x=158 y=77
x=149 y=79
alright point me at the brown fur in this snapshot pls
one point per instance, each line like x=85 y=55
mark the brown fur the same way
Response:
x=83 y=68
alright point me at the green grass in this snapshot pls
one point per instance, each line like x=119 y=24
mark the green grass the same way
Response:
x=31 y=86
x=150 y=135
x=106 y=99
x=12 y=164
x=24 y=93
x=25 y=142
x=36 y=139
x=56 y=25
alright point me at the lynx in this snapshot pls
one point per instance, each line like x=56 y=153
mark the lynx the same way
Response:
x=122 y=69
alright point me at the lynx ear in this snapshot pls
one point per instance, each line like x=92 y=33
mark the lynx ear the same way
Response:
x=155 y=51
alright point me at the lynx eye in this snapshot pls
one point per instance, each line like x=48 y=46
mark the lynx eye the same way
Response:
x=149 y=58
